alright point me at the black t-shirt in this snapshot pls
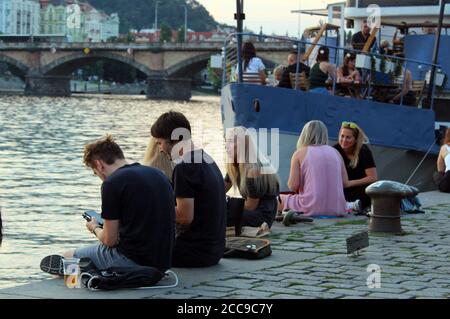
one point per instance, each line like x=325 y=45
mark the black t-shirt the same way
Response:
x=142 y=199
x=358 y=41
x=365 y=162
x=197 y=176
x=285 y=81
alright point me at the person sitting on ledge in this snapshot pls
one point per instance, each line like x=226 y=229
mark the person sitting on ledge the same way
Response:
x=199 y=191
x=358 y=162
x=257 y=182
x=442 y=176
x=138 y=213
x=317 y=176
x=285 y=81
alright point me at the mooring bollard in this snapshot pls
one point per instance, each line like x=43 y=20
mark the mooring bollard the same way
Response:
x=386 y=198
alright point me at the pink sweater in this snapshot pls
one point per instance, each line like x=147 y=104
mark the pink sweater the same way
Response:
x=321 y=184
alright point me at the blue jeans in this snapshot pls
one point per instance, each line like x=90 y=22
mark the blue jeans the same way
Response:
x=104 y=257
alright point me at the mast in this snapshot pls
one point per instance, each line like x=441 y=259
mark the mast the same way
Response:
x=240 y=17
x=435 y=54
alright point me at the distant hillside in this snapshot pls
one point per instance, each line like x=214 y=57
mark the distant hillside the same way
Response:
x=140 y=14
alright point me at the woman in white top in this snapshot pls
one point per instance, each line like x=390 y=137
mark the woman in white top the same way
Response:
x=442 y=176
x=251 y=63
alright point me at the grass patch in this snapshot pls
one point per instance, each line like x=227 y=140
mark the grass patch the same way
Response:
x=352 y=222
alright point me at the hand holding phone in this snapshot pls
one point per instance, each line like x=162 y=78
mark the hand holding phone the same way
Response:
x=88 y=215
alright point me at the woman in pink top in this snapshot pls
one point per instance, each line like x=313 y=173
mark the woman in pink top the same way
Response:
x=317 y=175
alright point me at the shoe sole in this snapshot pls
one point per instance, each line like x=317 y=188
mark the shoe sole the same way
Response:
x=53 y=265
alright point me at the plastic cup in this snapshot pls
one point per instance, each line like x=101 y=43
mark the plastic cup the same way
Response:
x=71 y=268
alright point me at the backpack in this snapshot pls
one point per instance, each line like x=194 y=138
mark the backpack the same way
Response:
x=121 y=278
x=411 y=205
x=247 y=248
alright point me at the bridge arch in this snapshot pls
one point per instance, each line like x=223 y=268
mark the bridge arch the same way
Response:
x=18 y=68
x=191 y=66
x=67 y=64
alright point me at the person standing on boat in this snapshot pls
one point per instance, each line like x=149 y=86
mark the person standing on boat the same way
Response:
x=321 y=71
x=258 y=183
x=251 y=63
x=317 y=176
x=442 y=176
x=359 y=163
x=360 y=38
x=199 y=192
x=285 y=81
x=138 y=214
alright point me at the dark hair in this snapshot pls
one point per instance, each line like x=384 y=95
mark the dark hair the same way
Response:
x=248 y=52
x=323 y=57
x=167 y=123
x=104 y=149
x=348 y=57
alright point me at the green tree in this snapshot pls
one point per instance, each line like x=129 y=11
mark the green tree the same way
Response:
x=180 y=35
x=166 y=33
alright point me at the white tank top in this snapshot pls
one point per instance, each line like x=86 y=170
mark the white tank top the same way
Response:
x=447 y=158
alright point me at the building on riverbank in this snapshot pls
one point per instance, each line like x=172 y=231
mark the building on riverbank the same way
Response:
x=19 y=16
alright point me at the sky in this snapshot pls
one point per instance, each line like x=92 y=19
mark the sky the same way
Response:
x=273 y=15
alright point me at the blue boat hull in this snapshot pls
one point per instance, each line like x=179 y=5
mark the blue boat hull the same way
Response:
x=399 y=135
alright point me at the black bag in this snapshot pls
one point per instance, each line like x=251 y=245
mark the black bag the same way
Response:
x=247 y=248
x=121 y=278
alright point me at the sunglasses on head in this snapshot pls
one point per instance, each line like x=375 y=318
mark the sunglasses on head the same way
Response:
x=350 y=125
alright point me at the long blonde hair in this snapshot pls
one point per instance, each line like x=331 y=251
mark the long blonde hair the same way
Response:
x=314 y=133
x=360 y=139
x=154 y=158
x=251 y=164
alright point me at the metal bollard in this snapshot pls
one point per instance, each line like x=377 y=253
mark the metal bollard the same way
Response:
x=386 y=197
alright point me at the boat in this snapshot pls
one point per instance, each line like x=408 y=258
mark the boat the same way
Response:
x=404 y=140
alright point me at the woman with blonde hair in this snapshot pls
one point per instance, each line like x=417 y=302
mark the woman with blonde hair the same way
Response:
x=250 y=172
x=442 y=176
x=317 y=175
x=358 y=161
x=153 y=157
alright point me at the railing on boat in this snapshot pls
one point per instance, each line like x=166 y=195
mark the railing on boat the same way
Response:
x=379 y=69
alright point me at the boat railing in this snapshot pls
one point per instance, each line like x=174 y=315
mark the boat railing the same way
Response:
x=380 y=73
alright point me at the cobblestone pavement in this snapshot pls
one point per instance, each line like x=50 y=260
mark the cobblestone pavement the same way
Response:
x=310 y=261
x=412 y=265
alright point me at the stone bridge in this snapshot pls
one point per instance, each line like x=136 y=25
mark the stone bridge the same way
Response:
x=47 y=67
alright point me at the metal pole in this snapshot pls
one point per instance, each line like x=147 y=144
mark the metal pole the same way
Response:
x=404 y=78
x=156 y=15
x=436 y=52
x=185 y=24
x=297 y=75
x=239 y=16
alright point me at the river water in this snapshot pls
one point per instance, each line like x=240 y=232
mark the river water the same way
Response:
x=44 y=187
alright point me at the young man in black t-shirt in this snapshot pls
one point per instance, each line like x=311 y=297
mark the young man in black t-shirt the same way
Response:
x=138 y=214
x=360 y=38
x=199 y=192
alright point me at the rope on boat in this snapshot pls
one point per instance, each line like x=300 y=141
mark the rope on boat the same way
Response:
x=421 y=162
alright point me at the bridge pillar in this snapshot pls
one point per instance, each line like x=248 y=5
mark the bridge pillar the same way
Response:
x=165 y=88
x=47 y=85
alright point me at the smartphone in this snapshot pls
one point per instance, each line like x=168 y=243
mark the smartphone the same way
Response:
x=88 y=215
